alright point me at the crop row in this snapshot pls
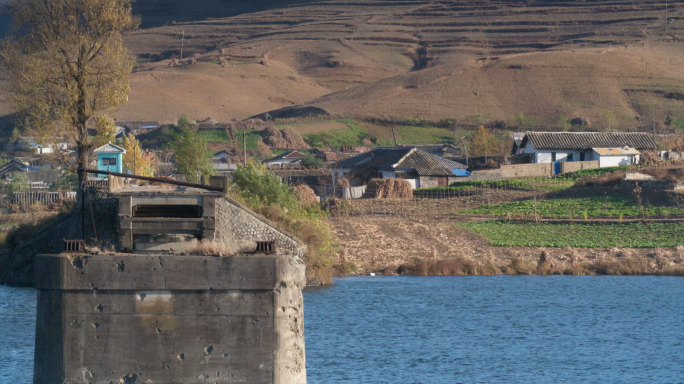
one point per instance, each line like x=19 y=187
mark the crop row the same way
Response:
x=605 y=206
x=589 y=235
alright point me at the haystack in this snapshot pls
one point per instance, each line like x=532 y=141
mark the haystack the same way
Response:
x=649 y=158
x=305 y=194
x=343 y=183
x=286 y=138
x=390 y=188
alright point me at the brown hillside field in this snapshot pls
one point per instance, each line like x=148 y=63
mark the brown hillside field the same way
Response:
x=611 y=62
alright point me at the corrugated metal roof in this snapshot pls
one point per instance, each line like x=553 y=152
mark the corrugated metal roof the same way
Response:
x=588 y=140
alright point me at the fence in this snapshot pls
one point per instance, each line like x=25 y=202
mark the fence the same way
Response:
x=527 y=170
x=30 y=198
x=572 y=166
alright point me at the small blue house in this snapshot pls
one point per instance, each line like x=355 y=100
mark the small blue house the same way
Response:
x=110 y=158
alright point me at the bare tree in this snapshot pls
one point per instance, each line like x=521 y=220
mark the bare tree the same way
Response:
x=66 y=63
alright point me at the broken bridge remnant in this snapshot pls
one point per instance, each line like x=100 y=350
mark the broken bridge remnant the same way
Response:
x=153 y=316
x=169 y=319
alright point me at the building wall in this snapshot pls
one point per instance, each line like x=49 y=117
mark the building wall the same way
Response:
x=282 y=161
x=578 y=165
x=387 y=174
x=112 y=168
x=526 y=170
x=339 y=172
x=545 y=155
x=614 y=161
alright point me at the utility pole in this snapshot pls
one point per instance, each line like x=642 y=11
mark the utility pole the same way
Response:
x=135 y=167
x=83 y=176
x=394 y=132
x=182 y=41
x=653 y=120
x=665 y=15
x=465 y=148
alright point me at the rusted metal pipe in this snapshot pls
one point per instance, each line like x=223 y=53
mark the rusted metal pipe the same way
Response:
x=158 y=180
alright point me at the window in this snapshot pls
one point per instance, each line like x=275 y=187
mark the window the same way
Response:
x=109 y=161
x=582 y=154
x=571 y=157
x=553 y=156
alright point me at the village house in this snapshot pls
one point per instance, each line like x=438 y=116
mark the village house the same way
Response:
x=287 y=159
x=419 y=168
x=38 y=178
x=442 y=150
x=608 y=148
x=30 y=144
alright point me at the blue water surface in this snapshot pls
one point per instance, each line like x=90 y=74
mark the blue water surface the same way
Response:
x=17 y=334
x=500 y=329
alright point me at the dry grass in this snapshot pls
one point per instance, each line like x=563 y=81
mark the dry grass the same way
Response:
x=446 y=267
x=390 y=188
x=493 y=61
x=211 y=248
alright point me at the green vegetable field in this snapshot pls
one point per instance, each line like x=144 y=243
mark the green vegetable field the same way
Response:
x=352 y=135
x=608 y=206
x=590 y=235
x=541 y=183
x=214 y=135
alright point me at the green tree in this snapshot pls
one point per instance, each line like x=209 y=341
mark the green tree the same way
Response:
x=261 y=187
x=66 y=62
x=135 y=159
x=66 y=182
x=106 y=131
x=18 y=183
x=190 y=152
x=481 y=145
x=311 y=161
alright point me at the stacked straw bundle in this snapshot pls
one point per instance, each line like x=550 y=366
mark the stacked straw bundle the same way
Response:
x=305 y=194
x=391 y=188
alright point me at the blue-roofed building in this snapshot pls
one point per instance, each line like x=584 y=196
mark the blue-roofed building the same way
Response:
x=109 y=158
x=419 y=168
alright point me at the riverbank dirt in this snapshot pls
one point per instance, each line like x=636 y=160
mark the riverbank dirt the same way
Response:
x=388 y=245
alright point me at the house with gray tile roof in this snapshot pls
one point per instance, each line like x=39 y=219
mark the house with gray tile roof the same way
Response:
x=421 y=169
x=608 y=148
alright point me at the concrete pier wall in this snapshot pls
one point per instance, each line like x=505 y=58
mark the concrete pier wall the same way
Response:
x=137 y=319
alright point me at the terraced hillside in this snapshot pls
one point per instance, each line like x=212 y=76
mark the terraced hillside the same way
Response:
x=612 y=62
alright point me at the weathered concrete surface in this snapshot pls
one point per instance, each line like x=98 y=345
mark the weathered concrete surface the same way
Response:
x=169 y=319
x=239 y=229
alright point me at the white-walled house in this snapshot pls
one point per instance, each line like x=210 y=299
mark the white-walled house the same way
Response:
x=610 y=149
x=288 y=158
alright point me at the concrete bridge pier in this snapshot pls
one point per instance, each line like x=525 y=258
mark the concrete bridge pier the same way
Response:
x=134 y=319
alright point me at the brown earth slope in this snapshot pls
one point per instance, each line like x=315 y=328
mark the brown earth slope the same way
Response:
x=612 y=62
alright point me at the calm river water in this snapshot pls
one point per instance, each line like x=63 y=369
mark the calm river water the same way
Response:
x=501 y=329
